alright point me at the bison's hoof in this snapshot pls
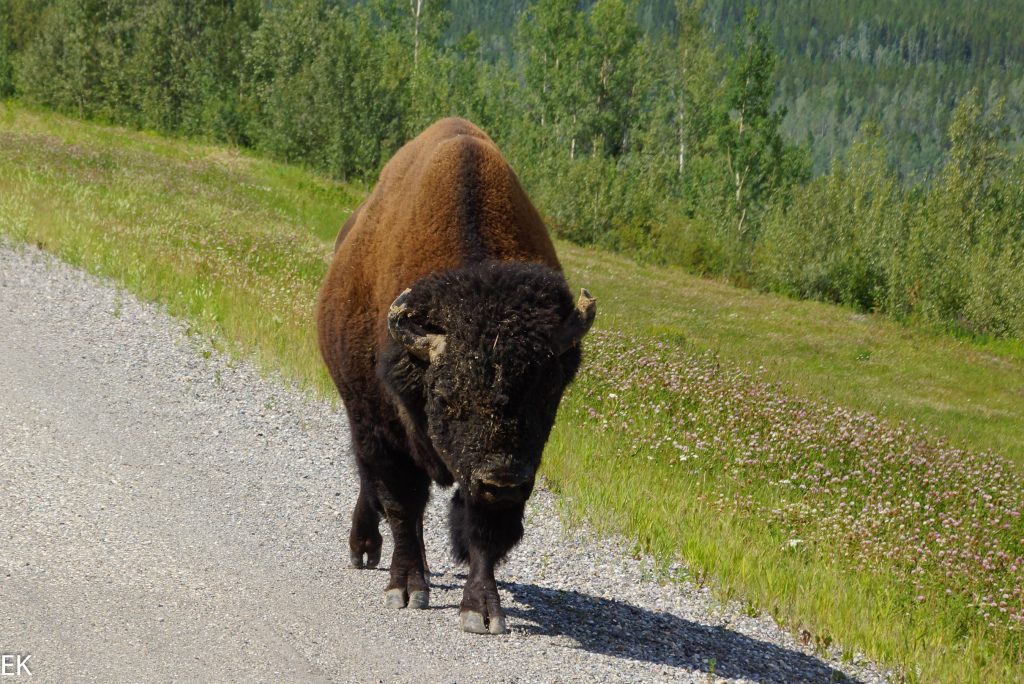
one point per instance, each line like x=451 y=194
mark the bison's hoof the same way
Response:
x=496 y=625
x=474 y=622
x=394 y=598
x=355 y=559
x=419 y=599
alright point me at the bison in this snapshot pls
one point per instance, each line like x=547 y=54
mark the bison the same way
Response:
x=450 y=332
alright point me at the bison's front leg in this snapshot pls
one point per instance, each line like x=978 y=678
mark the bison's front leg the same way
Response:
x=392 y=485
x=407 y=585
x=482 y=536
x=403 y=507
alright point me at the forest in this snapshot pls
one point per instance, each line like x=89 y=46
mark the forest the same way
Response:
x=862 y=153
x=843 y=64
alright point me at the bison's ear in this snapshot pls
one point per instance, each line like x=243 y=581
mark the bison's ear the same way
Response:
x=577 y=324
x=425 y=346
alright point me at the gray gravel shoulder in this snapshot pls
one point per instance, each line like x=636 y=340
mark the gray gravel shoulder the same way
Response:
x=169 y=514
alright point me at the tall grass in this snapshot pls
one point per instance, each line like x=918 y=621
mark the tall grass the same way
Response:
x=861 y=529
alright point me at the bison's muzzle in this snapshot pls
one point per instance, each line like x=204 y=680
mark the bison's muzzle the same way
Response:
x=501 y=489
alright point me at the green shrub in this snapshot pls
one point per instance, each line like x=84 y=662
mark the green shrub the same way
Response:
x=76 y=62
x=838 y=240
x=964 y=247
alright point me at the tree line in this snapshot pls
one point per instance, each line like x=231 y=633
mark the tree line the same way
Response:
x=841 y=65
x=666 y=145
x=903 y=66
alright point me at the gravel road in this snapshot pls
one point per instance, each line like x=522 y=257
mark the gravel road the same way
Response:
x=167 y=513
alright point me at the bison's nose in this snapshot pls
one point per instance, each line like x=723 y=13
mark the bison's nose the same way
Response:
x=504 y=488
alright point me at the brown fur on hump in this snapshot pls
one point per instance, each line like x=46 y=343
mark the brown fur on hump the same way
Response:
x=447 y=198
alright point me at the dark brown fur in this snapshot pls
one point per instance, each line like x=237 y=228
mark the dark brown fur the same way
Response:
x=448 y=219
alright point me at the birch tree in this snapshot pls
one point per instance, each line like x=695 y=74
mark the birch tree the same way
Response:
x=613 y=76
x=549 y=38
x=750 y=140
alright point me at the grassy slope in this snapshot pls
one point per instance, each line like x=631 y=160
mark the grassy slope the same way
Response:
x=970 y=393
x=238 y=245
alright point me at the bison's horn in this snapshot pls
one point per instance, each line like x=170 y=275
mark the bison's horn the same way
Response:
x=425 y=346
x=577 y=324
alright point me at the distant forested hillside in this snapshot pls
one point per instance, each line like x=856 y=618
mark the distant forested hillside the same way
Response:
x=864 y=153
x=902 y=65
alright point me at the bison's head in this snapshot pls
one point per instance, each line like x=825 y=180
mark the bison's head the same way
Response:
x=481 y=357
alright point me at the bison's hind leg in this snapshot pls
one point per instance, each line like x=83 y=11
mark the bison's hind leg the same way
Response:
x=364 y=540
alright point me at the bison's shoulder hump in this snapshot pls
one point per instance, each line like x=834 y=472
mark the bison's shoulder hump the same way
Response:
x=451 y=127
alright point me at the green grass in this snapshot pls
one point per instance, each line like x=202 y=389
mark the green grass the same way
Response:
x=235 y=244
x=238 y=245
x=972 y=393
x=855 y=529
